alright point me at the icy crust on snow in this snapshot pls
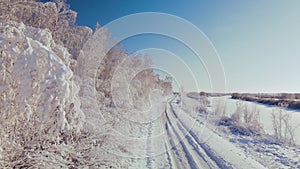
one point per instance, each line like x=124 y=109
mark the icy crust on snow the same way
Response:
x=35 y=75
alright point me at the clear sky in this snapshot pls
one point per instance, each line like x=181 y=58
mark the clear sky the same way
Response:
x=258 y=42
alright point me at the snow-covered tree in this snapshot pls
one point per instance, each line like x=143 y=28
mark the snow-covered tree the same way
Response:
x=88 y=63
x=134 y=80
x=55 y=16
x=106 y=71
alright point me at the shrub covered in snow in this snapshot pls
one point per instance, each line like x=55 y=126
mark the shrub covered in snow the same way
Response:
x=244 y=121
x=284 y=132
x=39 y=100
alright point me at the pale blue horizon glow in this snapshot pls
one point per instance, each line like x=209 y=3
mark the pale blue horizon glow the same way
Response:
x=258 y=41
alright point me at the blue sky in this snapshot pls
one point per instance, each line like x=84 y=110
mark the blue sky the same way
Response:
x=258 y=42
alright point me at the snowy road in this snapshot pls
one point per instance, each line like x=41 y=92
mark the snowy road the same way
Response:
x=189 y=150
x=185 y=147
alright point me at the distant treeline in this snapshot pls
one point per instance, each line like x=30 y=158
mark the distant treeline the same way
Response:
x=291 y=100
x=286 y=96
x=197 y=94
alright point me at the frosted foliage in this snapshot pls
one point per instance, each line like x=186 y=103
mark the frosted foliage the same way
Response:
x=36 y=80
x=122 y=78
x=105 y=73
x=55 y=16
x=134 y=80
x=86 y=69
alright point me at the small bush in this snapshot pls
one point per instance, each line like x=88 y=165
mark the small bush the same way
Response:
x=283 y=131
x=238 y=128
x=243 y=121
x=219 y=109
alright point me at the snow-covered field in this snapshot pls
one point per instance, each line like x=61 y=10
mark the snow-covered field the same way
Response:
x=265 y=112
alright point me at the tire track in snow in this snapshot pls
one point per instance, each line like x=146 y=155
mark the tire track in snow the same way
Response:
x=219 y=148
x=180 y=149
x=164 y=159
x=189 y=147
x=212 y=160
x=172 y=162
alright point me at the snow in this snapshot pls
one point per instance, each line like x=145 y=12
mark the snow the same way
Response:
x=39 y=70
x=218 y=149
x=264 y=114
x=35 y=74
x=187 y=140
x=263 y=149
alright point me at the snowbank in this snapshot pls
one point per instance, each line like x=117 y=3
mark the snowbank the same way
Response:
x=36 y=78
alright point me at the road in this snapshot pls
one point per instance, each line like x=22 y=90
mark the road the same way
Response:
x=186 y=147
